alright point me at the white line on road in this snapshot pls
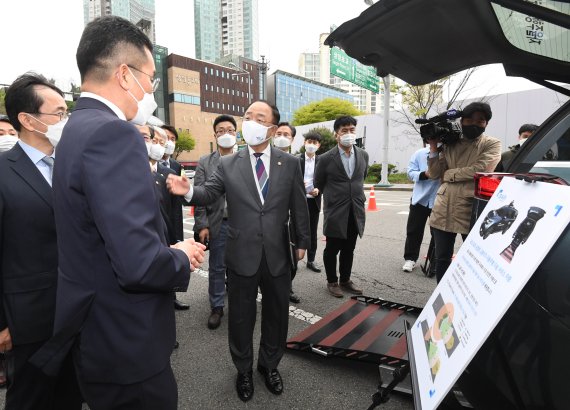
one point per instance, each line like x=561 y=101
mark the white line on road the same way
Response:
x=404 y=213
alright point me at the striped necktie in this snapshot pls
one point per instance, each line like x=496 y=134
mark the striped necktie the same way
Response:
x=262 y=178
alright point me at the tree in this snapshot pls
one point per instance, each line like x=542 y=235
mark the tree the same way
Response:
x=185 y=142
x=324 y=110
x=423 y=101
x=2 y=97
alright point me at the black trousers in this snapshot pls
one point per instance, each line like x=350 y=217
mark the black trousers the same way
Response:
x=346 y=248
x=29 y=388
x=158 y=392
x=314 y=212
x=415 y=227
x=242 y=295
x=444 y=244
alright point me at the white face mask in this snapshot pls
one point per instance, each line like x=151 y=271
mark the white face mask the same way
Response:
x=7 y=142
x=148 y=145
x=226 y=140
x=169 y=148
x=146 y=106
x=254 y=133
x=311 y=148
x=53 y=133
x=156 y=152
x=522 y=141
x=281 y=142
x=347 y=140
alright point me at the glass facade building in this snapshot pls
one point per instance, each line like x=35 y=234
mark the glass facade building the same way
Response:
x=289 y=92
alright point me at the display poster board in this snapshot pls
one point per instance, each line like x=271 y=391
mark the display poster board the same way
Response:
x=510 y=239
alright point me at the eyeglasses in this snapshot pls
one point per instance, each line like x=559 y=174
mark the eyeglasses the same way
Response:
x=222 y=131
x=264 y=123
x=154 y=81
x=62 y=115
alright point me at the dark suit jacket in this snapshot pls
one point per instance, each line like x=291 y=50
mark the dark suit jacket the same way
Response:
x=341 y=193
x=254 y=226
x=165 y=202
x=116 y=271
x=209 y=216
x=28 y=250
x=318 y=198
x=177 y=216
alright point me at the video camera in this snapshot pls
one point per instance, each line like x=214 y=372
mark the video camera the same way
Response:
x=442 y=127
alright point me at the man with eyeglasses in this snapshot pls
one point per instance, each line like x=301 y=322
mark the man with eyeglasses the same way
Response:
x=117 y=272
x=28 y=247
x=211 y=222
x=340 y=178
x=455 y=166
x=263 y=186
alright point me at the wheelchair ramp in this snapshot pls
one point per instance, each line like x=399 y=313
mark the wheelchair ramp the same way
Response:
x=364 y=328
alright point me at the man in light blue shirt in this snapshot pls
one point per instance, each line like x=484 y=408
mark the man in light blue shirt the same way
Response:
x=423 y=198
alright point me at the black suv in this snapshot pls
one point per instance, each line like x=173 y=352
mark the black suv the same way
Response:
x=525 y=362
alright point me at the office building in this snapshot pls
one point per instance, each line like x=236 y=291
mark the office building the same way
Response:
x=226 y=27
x=289 y=92
x=139 y=12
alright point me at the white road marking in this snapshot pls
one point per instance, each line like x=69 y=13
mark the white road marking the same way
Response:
x=404 y=213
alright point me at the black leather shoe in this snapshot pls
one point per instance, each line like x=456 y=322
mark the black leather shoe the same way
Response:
x=244 y=386
x=293 y=297
x=215 y=318
x=178 y=305
x=272 y=378
x=312 y=266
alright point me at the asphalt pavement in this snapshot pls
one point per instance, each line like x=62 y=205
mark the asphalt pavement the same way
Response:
x=203 y=366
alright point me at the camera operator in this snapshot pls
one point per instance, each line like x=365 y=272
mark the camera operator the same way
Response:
x=455 y=164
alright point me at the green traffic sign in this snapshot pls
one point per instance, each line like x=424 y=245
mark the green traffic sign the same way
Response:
x=347 y=68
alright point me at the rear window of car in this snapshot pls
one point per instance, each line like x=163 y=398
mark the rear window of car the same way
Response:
x=533 y=35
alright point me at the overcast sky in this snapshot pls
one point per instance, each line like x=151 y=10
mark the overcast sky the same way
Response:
x=43 y=35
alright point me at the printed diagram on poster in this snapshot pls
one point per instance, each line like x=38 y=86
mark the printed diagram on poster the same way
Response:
x=505 y=246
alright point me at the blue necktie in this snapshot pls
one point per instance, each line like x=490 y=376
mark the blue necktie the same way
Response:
x=262 y=178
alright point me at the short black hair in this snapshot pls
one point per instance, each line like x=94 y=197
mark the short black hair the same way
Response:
x=478 y=106
x=274 y=111
x=4 y=118
x=313 y=135
x=224 y=118
x=286 y=124
x=22 y=96
x=344 y=120
x=171 y=129
x=528 y=128
x=107 y=42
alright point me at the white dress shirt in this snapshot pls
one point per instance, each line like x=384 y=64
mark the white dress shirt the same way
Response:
x=36 y=157
x=308 y=178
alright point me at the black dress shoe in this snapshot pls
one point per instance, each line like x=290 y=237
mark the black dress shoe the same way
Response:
x=272 y=378
x=244 y=386
x=293 y=298
x=215 y=318
x=312 y=266
x=178 y=305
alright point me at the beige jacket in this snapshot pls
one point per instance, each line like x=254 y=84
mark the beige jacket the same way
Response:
x=456 y=166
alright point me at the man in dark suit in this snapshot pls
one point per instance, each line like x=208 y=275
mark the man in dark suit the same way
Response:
x=28 y=247
x=340 y=178
x=309 y=161
x=211 y=222
x=167 y=159
x=117 y=273
x=263 y=185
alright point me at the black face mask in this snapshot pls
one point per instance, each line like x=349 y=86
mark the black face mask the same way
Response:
x=472 y=131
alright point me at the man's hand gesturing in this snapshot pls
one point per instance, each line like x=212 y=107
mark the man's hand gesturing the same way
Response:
x=178 y=185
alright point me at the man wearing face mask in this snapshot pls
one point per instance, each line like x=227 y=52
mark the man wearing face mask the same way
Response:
x=263 y=186
x=28 y=247
x=211 y=222
x=117 y=272
x=455 y=165
x=525 y=132
x=8 y=135
x=167 y=159
x=340 y=177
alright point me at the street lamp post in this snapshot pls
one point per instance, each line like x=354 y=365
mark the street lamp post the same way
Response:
x=243 y=72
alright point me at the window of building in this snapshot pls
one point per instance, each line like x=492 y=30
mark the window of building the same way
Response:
x=217 y=73
x=207 y=104
x=205 y=70
x=211 y=71
x=206 y=87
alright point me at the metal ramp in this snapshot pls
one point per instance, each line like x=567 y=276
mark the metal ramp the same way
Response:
x=364 y=328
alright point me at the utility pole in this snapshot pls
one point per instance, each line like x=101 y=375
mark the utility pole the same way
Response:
x=263 y=67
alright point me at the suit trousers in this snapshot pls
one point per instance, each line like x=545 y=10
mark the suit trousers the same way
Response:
x=217 y=271
x=415 y=227
x=444 y=244
x=29 y=388
x=158 y=392
x=242 y=298
x=346 y=247
x=314 y=212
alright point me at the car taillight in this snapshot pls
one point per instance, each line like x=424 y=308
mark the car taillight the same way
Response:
x=486 y=184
